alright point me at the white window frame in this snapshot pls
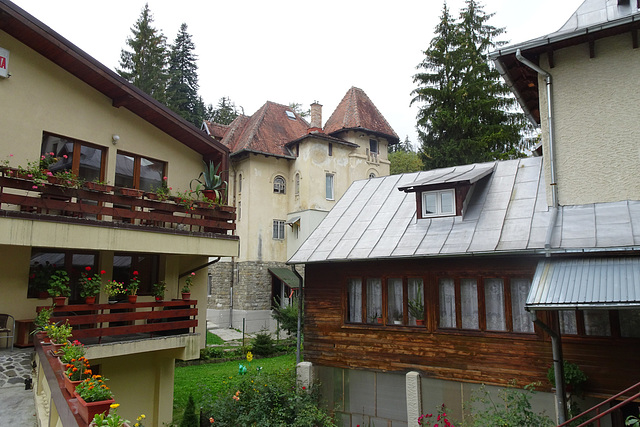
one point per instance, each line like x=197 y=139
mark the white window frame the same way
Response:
x=278 y=229
x=279 y=185
x=330 y=186
x=438 y=195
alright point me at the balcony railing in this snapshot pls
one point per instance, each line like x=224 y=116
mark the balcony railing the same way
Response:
x=22 y=196
x=95 y=322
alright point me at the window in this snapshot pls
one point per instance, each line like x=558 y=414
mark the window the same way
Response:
x=329 y=186
x=374 y=300
x=279 y=185
x=44 y=262
x=147 y=266
x=603 y=323
x=354 y=299
x=331 y=149
x=239 y=211
x=297 y=184
x=139 y=172
x=290 y=115
x=519 y=292
x=395 y=307
x=373 y=146
x=416 y=300
x=83 y=159
x=278 y=229
x=240 y=183
x=436 y=203
x=209 y=285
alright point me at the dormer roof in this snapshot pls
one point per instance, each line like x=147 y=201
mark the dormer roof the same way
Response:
x=357 y=112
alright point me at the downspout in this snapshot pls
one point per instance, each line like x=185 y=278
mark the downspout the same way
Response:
x=300 y=296
x=556 y=343
x=234 y=266
x=558 y=369
x=552 y=166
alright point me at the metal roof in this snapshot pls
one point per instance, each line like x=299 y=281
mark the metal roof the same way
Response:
x=467 y=173
x=585 y=283
x=506 y=212
x=287 y=276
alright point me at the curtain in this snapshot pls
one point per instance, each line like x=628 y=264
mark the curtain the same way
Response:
x=568 y=325
x=415 y=291
x=596 y=322
x=447 y=304
x=519 y=291
x=494 y=304
x=469 y=303
x=394 y=301
x=354 y=290
x=630 y=323
x=374 y=300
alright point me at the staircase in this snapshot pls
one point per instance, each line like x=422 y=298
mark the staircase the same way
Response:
x=629 y=395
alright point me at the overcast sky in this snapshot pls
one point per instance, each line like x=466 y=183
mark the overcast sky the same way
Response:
x=255 y=51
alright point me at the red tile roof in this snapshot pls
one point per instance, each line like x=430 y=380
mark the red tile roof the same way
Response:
x=356 y=111
x=216 y=130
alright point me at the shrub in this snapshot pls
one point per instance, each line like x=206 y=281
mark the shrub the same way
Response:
x=262 y=344
x=211 y=353
x=190 y=419
x=266 y=400
x=287 y=317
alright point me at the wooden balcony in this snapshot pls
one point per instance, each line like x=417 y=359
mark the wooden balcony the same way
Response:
x=111 y=207
x=98 y=323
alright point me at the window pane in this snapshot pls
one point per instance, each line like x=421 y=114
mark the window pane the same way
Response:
x=374 y=300
x=60 y=147
x=395 y=306
x=568 y=325
x=42 y=265
x=494 y=304
x=519 y=292
x=124 y=170
x=90 y=163
x=329 y=187
x=79 y=262
x=446 y=202
x=429 y=202
x=354 y=290
x=151 y=173
x=415 y=290
x=596 y=322
x=630 y=323
x=447 y=304
x=373 y=145
x=469 y=303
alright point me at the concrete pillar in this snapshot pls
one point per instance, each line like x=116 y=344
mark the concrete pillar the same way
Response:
x=305 y=375
x=414 y=398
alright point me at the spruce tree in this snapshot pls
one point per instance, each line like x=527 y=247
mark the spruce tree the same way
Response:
x=225 y=112
x=468 y=115
x=145 y=66
x=182 y=90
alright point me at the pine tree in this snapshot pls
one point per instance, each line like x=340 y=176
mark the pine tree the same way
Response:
x=190 y=419
x=145 y=66
x=182 y=90
x=225 y=113
x=468 y=114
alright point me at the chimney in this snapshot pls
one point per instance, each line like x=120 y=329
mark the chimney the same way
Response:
x=316 y=115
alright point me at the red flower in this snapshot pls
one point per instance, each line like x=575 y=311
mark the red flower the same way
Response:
x=87 y=268
x=135 y=273
x=102 y=272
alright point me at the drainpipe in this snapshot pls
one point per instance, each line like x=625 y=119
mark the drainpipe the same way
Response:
x=558 y=369
x=299 y=334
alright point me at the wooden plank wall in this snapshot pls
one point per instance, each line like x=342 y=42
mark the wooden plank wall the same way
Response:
x=469 y=356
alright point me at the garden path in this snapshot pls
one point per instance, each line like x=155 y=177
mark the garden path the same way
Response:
x=18 y=406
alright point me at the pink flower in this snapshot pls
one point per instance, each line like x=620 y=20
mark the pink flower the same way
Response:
x=164 y=177
x=35 y=187
x=52 y=153
x=10 y=155
x=49 y=173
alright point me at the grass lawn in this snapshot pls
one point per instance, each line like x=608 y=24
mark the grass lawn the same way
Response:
x=216 y=377
x=214 y=339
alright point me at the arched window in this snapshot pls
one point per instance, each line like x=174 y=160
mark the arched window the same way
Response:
x=297 y=184
x=279 y=185
x=372 y=175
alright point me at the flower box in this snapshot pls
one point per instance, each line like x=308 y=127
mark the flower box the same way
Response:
x=70 y=385
x=88 y=410
x=130 y=192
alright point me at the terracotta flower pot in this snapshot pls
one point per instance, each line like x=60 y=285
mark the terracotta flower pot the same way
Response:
x=158 y=299
x=186 y=296
x=130 y=192
x=59 y=301
x=87 y=410
x=132 y=298
x=420 y=322
x=70 y=385
x=90 y=300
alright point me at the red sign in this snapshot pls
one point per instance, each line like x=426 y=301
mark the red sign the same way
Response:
x=4 y=62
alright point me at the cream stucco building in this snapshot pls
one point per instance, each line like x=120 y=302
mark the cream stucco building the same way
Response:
x=285 y=175
x=57 y=99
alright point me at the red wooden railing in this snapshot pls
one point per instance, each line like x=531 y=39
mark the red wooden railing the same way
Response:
x=142 y=209
x=625 y=395
x=123 y=318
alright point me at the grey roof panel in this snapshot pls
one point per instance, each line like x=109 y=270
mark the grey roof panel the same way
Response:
x=585 y=283
x=466 y=173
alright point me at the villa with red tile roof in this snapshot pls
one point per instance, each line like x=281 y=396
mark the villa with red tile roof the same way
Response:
x=285 y=174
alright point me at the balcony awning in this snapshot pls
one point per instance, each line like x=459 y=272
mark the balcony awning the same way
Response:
x=294 y=220
x=581 y=283
x=286 y=276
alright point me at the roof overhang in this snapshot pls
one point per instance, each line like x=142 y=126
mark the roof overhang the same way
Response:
x=287 y=276
x=451 y=177
x=585 y=283
x=392 y=139
x=322 y=136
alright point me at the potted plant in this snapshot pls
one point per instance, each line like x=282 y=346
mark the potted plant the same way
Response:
x=397 y=317
x=210 y=182
x=94 y=397
x=39 y=277
x=42 y=320
x=159 y=289
x=59 y=334
x=113 y=419
x=70 y=351
x=90 y=285
x=76 y=370
x=114 y=289
x=161 y=193
x=416 y=309
x=186 y=289
x=98 y=185
x=59 y=287
x=68 y=179
x=132 y=288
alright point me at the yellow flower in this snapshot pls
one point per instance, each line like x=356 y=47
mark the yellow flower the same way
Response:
x=114 y=405
x=249 y=356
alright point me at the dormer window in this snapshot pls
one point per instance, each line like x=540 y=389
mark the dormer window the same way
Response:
x=290 y=115
x=438 y=203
